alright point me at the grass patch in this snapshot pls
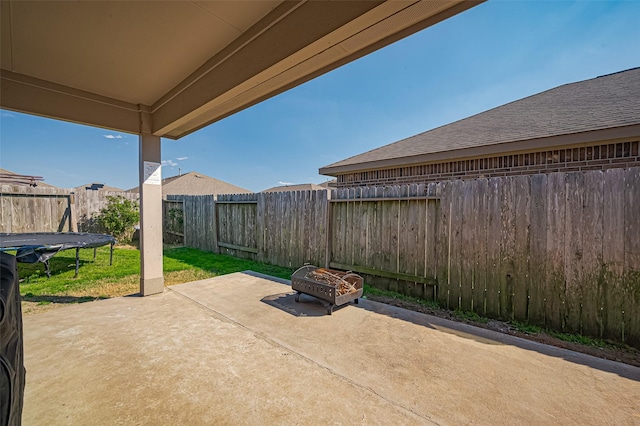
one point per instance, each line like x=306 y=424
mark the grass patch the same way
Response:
x=567 y=337
x=220 y=264
x=470 y=316
x=526 y=328
x=126 y=262
x=98 y=280
x=578 y=338
x=372 y=291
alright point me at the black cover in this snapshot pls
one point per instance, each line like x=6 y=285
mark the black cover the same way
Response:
x=12 y=373
x=41 y=246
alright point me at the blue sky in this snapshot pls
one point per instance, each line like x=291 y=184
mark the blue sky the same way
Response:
x=492 y=54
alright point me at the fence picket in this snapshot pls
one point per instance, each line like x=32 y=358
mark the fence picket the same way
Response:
x=631 y=276
x=538 y=250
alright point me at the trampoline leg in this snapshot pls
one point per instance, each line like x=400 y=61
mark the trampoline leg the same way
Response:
x=77 y=261
x=95 y=250
x=111 y=255
x=46 y=268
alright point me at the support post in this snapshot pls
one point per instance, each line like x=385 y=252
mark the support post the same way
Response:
x=151 y=276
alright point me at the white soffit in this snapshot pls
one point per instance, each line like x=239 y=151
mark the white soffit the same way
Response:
x=355 y=39
x=180 y=64
x=133 y=51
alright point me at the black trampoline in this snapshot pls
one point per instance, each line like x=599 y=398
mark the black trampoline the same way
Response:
x=42 y=246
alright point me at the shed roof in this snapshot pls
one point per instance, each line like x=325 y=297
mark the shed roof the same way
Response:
x=195 y=183
x=602 y=108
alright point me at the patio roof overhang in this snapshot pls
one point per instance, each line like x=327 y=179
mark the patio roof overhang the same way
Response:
x=183 y=65
x=168 y=68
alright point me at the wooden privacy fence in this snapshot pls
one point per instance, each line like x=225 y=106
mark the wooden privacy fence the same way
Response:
x=26 y=209
x=560 y=250
x=173 y=221
x=286 y=229
x=387 y=233
x=88 y=203
x=198 y=220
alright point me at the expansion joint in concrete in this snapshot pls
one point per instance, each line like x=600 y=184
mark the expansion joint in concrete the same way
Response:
x=280 y=345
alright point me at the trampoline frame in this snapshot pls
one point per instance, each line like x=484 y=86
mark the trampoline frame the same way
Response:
x=28 y=251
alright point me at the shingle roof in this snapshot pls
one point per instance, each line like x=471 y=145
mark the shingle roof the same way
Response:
x=194 y=183
x=299 y=187
x=7 y=177
x=97 y=187
x=605 y=102
x=329 y=184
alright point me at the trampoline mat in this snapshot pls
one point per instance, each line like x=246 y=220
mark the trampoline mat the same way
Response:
x=41 y=246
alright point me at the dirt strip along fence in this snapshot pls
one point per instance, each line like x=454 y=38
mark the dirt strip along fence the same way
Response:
x=560 y=250
x=27 y=209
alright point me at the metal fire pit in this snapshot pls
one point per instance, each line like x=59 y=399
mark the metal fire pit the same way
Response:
x=336 y=287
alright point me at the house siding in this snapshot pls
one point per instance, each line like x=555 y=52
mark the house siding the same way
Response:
x=595 y=157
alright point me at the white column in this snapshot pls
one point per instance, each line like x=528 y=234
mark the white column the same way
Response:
x=151 y=277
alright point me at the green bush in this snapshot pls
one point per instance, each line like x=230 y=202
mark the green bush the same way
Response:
x=119 y=217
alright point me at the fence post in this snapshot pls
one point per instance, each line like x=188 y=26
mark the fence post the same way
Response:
x=260 y=227
x=216 y=234
x=73 y=219
x=328 y=241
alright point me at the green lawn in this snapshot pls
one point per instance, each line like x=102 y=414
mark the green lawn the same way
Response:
x=97 y=279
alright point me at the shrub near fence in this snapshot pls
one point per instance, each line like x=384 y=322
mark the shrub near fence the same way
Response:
x=89 y=203
x=560 y=250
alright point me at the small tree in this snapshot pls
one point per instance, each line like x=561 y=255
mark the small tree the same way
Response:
x=119 y=217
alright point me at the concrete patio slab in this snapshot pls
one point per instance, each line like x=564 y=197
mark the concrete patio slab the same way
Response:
x=237 y=349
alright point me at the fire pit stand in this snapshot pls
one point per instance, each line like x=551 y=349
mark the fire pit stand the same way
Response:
x=336 y=287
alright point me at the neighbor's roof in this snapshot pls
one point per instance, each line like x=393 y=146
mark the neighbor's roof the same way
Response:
x=98 y=187
x=329 y=184
x=299 y=187
x=7 y=177
x=602 y=108
x=194 y=183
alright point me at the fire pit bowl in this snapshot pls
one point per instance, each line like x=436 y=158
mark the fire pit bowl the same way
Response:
x=336 y=287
